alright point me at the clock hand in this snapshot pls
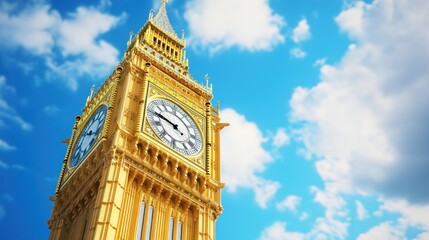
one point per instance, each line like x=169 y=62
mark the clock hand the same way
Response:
x=167 y=120
x=175 y=126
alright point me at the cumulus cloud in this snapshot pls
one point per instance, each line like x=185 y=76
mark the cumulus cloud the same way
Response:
x=301 y=32
x=334 y=223
x=352 y=21
x=297 y=52
x=303 y=216
x=411 y=214
x=4 y=146
x=51 y=110
x=281 y=138
x=358 y=117
x=220 y=24
x=361 y=211
x=5 y=165
x=244 y=159
x=8 y=114
x=37 y=21
x=320 y=62
x=69 y=45
x=290 y=203
x=383 y=231
x=277 y=231
x=365 y=122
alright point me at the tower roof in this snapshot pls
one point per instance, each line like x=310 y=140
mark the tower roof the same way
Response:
x=161 y=20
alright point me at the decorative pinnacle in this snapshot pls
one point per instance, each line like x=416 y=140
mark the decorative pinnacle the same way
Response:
x=207 y=80
x=131 y=38
x=164 y=1
x=92 y=91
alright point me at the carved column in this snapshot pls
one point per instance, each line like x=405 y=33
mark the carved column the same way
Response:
x=111 y=195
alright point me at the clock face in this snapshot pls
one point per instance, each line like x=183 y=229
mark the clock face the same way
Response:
x=174 y=127
x=88 y=135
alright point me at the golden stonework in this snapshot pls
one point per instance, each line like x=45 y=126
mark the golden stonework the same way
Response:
x=143 y=160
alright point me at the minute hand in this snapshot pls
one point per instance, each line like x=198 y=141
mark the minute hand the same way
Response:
x=175 y=126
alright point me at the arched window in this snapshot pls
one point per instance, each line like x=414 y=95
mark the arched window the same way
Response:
x=179 y=230
x=140 y=221
x=149 y=222
x=170 y=228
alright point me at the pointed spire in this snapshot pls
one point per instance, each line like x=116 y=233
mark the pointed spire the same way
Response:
x=161 y=20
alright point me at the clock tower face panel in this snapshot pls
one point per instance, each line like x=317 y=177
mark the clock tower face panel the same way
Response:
x=174 y=126
x=88 y=136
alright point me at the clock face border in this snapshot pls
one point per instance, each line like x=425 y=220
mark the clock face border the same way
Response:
x=92 y=130
x=174 y=126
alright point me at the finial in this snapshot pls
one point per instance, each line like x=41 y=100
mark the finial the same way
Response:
x=164 y=1
x=207 y=80
x=151 y=14
x=92 y=91
x=90 y=95
x=131 y=37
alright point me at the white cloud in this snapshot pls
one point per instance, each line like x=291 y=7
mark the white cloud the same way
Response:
x=298 y=52
x=265 y=190
x=277 y=231
x=320 y=62
x=281 y=138
x=70 y=45
x=366 y=121
x=244 y=158
x=352 y=19
x=79 y=32
x=305 y=153
x=301 y=32
x=290 y=203
x=411 y=214
x=157 y=3
x=12 y=166
x=37 y=21
x=358 y=117
x=51 y=110
x=220 y=24
x=334 y=224
x=361 y=211
x=383 y=231
x=3 y=165
x=18 y=167
x=8 y=114
x=4 y=146
x=303 y=216
x=12 y=116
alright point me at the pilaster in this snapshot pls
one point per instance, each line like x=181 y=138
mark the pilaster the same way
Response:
x=109 y=203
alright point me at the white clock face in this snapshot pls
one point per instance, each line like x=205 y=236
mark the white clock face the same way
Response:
x=88 y=136
x=174 y=126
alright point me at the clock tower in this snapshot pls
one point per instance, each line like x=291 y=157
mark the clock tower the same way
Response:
x=143 y=160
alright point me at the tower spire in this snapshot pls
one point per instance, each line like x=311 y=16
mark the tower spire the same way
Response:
x=161 y=20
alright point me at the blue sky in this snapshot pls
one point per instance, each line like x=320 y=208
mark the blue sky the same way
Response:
x=327 y=102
